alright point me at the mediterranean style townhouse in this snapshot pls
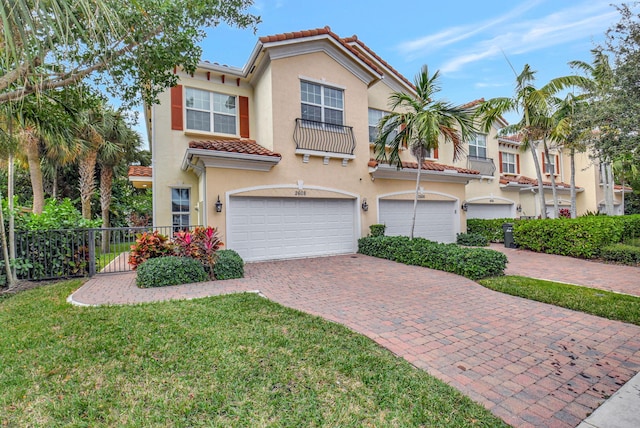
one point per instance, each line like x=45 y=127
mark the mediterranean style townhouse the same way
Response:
x=508 y=188
x=278 y=155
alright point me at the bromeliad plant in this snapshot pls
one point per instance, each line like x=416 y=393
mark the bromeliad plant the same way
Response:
x=202 y=244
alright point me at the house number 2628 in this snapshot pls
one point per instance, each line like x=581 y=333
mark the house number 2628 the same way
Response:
x=300 y=193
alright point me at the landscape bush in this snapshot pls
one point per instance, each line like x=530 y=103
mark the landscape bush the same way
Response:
x=582 y=237
x=170 y=270
x=377 y=229
x=490 y=229
x=200 y=244
x=473 y=263
x=149 y=245
x=621 y=253
x=229 y=265
x=472 y=240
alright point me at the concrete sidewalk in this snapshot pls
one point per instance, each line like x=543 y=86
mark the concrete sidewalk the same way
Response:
x=532 y=364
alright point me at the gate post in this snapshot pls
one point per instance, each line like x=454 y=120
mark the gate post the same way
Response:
x=92 y=252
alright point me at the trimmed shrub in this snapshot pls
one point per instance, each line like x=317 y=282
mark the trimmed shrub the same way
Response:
x=170 y=270
x=200 y=244
x=229 y=265
x=621 y=253
x=581 y=237
x=489 y=228
x=473 y=263
x=149 y=246
x=377 y=229
x=471 y=240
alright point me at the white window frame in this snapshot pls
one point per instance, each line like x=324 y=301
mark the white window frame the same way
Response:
x=211 y=111
x=550 y=168
x=479 y=141
x=509 y=160
x=178 y=226
x=322 y=105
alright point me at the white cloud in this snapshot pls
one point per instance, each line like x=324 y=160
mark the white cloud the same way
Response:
x=514 y=36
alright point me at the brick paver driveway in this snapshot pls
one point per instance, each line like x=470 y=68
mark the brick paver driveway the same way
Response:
x=530 y=363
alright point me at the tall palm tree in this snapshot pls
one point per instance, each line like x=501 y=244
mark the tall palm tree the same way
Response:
x=595 y=122
x=535 y=106
x=419 y=122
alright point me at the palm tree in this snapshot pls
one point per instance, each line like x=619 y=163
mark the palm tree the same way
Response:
x=535 y=106
x=418 y=122
x=595 y=122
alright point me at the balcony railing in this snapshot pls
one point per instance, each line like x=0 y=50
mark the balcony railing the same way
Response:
x=484 y=165
x=323 y=137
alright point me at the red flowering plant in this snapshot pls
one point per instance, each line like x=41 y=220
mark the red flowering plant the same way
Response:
x=201 y=244
x=147 y=246
x=565 y=213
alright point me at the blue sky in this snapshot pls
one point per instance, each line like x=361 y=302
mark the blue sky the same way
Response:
x=467 y=40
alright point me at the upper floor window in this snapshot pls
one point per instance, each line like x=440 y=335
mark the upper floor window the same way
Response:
x=180 y=208
x=375 y=116
x=322 y=103
x=210 y=111
x=549 y=168
x=509 y=163
x=478 y=146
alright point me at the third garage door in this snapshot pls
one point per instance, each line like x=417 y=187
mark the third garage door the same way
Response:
x=435 y=220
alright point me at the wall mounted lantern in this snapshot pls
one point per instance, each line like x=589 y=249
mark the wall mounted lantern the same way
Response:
x=218 y=205
x=464 y=207
x=365 y=205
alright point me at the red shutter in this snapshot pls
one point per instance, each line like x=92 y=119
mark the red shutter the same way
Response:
x=557 y=168
x=244 y=117
x=500 y=161
x=435 y=153
x=517 y=164
x=176 y=108
x=544 y=164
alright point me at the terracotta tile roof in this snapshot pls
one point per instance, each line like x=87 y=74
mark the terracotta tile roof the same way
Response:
x=316 y=32
x=521 y=179
x=140 y=171
x=354 y=39
x=244 y=146
x=473 y=103
x=512 y=138
x=430 y=166
x=619 y=187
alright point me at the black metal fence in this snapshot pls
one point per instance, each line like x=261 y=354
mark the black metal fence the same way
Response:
x=51 y=254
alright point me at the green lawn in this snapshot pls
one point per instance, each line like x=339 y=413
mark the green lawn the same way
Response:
x=605 y=304
x=237 y=360
x=103 y=259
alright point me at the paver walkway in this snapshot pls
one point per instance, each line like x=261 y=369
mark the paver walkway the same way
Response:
x=610 y=277
x=530 y=363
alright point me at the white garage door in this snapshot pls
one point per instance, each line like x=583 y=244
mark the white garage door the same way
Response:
x=435 y=220
x=280 y=228
x=489 y=211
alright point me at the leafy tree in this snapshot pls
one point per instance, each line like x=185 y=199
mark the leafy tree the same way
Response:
x=419 y=122
x=536 y=106
x=132 y=45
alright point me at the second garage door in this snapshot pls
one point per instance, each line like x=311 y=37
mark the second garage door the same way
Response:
x=279 y=228
x=435 y=220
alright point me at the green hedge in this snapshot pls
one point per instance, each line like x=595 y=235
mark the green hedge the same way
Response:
x=582 y=237
x=490 y=229
x=171 y=270
x=621 y=253
x=472 y=240
x=473 y=263
x=229 y=265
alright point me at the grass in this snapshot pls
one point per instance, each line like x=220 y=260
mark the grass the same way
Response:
x=103 y=259
x=236 y=360
x=614 y=306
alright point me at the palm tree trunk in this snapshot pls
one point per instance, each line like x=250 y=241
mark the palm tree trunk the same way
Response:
x=5 y=251
x=87 y=171
x=552 y=175
x=32 y=150
x=54 y=189
x=106 y=183
x=536 y=163
x=609 y=200
x=415 y=199
x=572 y=183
